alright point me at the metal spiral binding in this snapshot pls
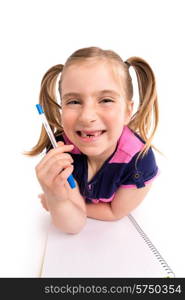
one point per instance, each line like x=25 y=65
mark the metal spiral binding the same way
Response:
x=152 y=247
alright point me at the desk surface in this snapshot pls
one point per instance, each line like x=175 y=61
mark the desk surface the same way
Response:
x=24 y=225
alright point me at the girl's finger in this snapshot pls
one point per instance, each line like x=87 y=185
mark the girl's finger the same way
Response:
x=54 y=160
x=44 y=206
x=48 y=176
x=62 y=177
x=53 y=152
x=43 y=202
x=40 y=196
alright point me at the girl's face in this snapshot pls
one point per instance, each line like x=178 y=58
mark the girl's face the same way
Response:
x=94 y=108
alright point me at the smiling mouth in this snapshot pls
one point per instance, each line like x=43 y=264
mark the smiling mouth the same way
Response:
x=90 y=133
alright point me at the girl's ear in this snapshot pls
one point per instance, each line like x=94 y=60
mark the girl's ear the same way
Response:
x=61 y=122
x=129 y=111
x=131 y=106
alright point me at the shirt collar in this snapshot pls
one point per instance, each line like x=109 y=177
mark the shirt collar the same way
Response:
x=128 y=145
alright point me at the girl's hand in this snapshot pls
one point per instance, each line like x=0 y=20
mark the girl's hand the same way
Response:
x=52 y=173
x=43 y=201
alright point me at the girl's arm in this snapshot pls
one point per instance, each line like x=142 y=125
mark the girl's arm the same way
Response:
x=100 y=211
x=124 y=202
x=69 y=215
x=66 y=205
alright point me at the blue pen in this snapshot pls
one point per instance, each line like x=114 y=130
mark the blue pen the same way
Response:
x=52 y=139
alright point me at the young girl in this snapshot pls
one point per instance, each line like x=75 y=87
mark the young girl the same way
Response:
x=100 y=141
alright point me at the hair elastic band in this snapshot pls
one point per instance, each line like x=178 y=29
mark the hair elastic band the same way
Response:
x=127 y=63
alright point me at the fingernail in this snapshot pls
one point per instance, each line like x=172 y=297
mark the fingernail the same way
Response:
x=60 y=144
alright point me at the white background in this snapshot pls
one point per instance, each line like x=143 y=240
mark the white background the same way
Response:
x=36 y=35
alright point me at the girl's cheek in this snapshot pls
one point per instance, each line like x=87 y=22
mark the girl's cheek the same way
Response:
x=67 y=122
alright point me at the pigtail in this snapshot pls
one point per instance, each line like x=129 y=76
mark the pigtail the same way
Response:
x=48 y=101
x=145 y=120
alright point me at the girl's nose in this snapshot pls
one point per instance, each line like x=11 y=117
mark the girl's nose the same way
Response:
x=88 y=114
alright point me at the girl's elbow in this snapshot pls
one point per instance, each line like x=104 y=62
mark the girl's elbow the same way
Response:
x=119 y=215
x=74 y=228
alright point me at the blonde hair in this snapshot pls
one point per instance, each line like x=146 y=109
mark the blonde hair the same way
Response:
x=144 y=122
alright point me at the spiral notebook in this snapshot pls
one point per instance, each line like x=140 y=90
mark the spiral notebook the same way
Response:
x=103 y=249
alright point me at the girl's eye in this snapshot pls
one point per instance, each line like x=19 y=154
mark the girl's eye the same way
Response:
x=73 y=102
x=107 y=100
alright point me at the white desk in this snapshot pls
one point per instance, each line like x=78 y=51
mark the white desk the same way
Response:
x=24 y=223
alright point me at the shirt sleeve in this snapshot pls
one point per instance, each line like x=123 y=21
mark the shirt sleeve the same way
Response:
x=141 y=172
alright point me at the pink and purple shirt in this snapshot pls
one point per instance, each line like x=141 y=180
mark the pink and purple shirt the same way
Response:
x=118 y=171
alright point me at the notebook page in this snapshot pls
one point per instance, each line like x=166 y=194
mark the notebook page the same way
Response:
x=101 y=249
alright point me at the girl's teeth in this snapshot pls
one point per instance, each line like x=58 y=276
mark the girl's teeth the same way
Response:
x=89 y=135
x=83 y=134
